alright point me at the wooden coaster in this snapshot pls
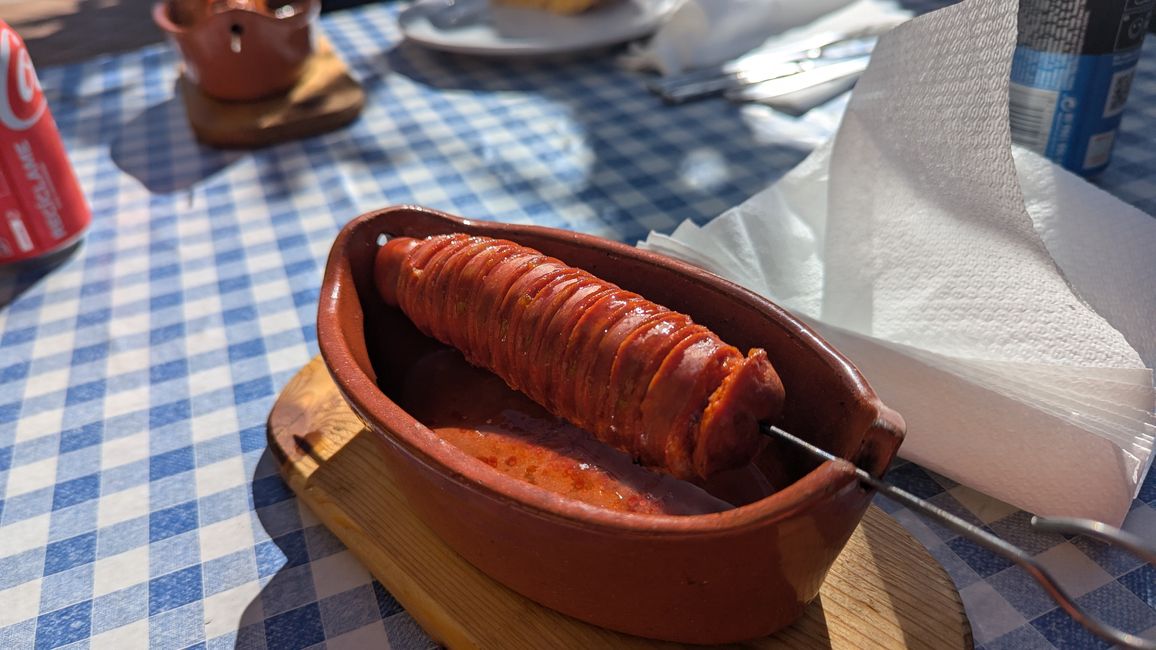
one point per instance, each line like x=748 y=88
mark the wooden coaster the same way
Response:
x=884 y=591
x=326 y=98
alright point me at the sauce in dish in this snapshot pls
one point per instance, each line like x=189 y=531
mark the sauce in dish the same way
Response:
x=475 y=411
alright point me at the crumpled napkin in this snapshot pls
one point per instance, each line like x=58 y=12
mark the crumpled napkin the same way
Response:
x=704 y=33
x=1001 y=304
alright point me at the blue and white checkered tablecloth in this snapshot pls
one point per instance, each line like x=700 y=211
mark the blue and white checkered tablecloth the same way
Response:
x=138 y=504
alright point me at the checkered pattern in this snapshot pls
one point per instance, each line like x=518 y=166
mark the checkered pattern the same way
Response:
x=1007 y=608
x=137 y=502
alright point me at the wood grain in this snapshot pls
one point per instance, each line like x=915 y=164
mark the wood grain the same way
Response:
x=884 y=591
x=326 y=98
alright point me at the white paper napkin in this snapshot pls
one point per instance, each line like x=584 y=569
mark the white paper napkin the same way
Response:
x=1003 y=305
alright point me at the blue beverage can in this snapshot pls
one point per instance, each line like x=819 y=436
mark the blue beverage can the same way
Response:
x=1073 y=66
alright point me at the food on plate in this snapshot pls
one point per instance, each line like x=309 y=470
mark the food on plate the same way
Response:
x=642 y=378
x=475 y=411
x=555 y=6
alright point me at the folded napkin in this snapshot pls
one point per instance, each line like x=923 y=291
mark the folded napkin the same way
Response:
x=704 y=33
x=1003 y=305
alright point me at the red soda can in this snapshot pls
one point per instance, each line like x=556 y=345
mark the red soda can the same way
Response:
x=42 y=208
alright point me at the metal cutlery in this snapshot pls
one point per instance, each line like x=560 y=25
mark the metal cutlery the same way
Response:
x=1112 y=536
x=817 y=51
x=810 y=75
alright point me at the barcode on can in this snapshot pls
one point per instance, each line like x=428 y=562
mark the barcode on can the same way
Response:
x=1118 y=92
x=1031 y=112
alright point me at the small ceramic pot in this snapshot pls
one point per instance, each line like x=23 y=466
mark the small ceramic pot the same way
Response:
x=712 y=578
x=243 y=55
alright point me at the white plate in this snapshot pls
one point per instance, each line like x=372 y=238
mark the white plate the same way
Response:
x=510 y=31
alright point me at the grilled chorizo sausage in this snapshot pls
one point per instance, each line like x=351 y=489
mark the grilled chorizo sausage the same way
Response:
x=640 y=377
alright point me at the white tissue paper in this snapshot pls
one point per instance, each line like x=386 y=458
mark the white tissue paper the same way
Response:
x=705 y=33
x=1003 y=305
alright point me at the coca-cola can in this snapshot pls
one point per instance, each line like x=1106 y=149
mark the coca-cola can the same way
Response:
x=42 y=208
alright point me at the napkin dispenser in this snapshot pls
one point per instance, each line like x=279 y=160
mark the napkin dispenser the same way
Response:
x=1002 y=304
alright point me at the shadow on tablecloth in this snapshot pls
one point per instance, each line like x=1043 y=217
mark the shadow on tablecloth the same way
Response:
x=161 y=134
x=573 y=140
x=295 y=609
x=17 y=278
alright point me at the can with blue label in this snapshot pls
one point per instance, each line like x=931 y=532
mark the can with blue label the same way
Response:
x=1073 y=67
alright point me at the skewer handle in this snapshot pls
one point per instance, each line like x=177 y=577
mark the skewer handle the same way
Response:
x=1103 y=532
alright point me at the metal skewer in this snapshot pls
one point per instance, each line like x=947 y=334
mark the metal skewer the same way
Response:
x=1099 y=530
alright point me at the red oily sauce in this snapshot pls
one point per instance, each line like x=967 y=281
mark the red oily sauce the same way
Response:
x=477 y=412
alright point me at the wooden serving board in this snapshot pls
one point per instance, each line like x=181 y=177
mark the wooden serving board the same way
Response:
x=884 y=591
x=324 y=99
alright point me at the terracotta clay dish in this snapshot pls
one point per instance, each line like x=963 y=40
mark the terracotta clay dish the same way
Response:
x=738 y=573
x=240 y=53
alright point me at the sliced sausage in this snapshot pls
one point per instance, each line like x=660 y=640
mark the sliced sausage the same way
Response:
x=641 y=378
